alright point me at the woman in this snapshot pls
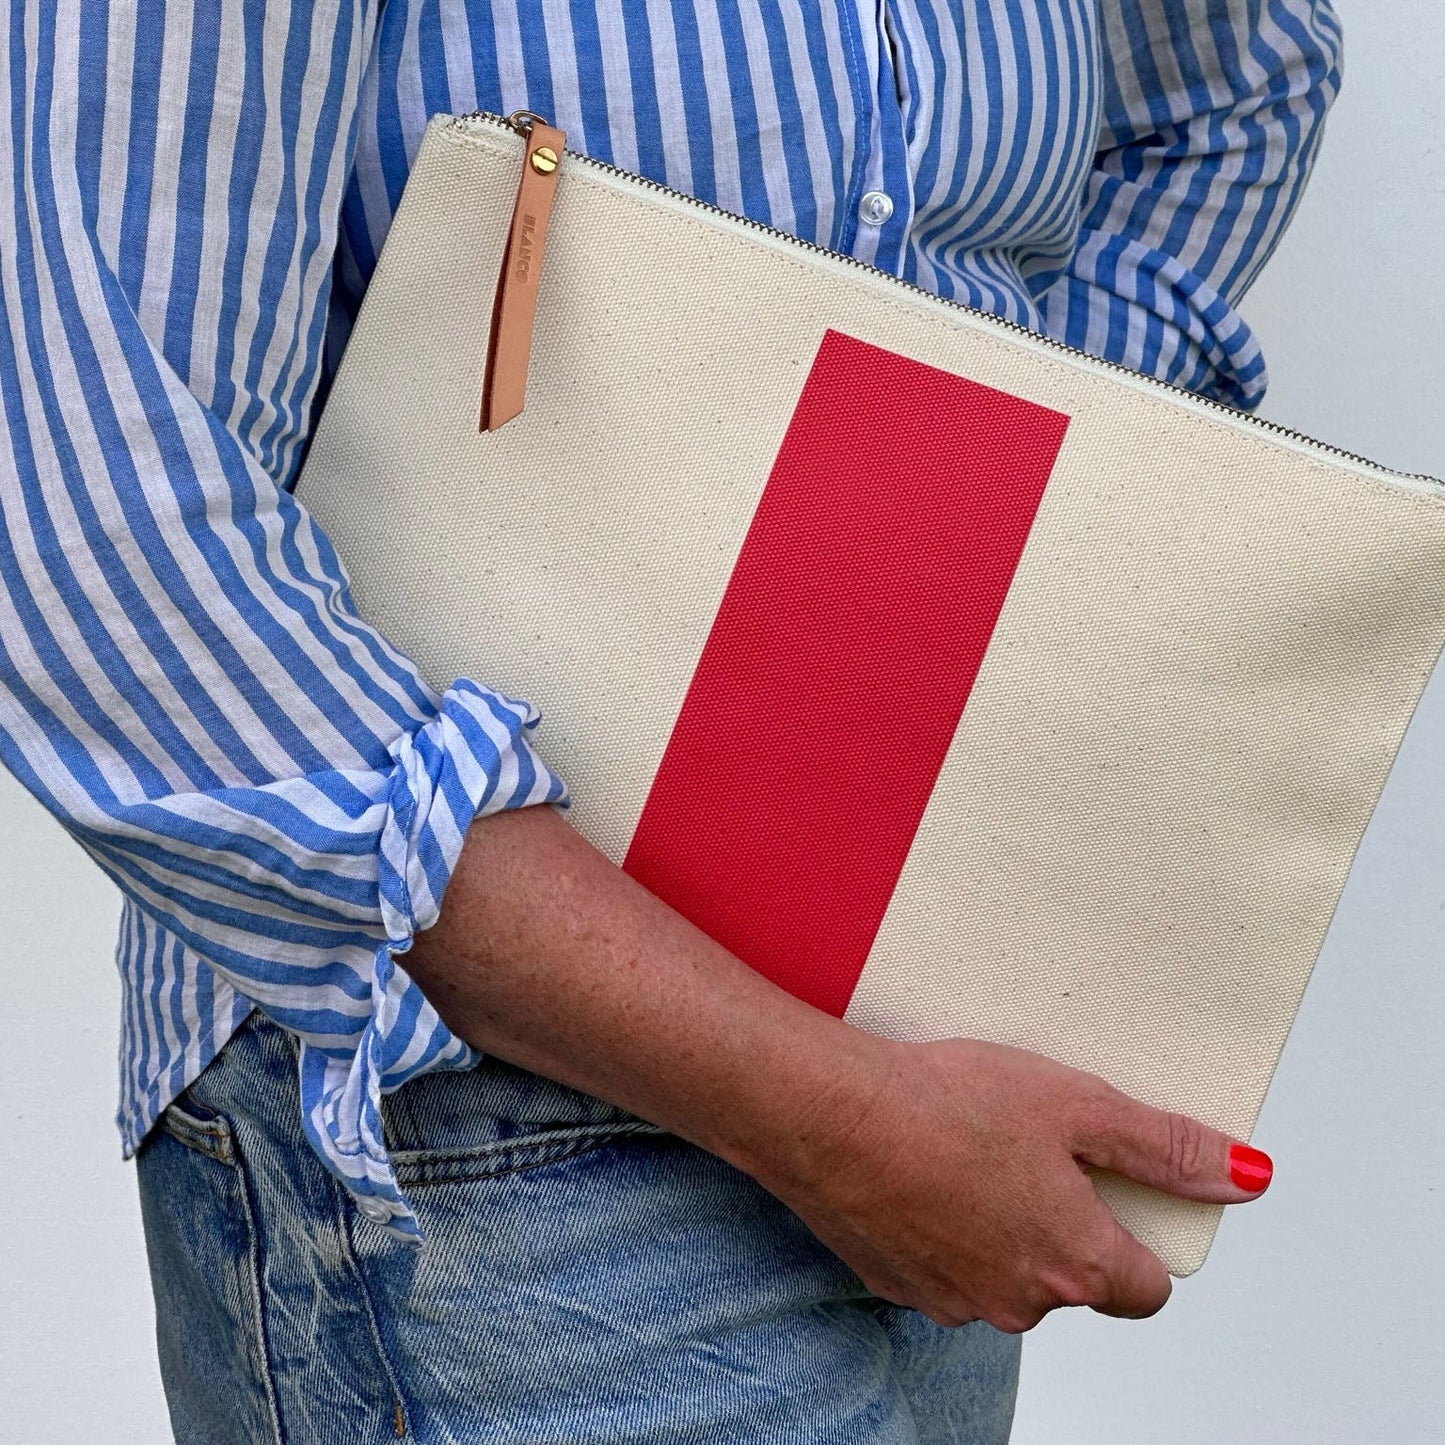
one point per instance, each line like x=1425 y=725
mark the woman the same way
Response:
x=686 y=1206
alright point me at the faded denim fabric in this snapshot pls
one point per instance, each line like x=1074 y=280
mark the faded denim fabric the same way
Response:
x=586 y=1277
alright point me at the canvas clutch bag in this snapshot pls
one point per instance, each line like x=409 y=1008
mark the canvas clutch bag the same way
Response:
x=959 y=682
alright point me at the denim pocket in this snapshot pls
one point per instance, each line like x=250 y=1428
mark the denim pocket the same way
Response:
x=202 y=1245
x=419 y=1167
x=494 y=1119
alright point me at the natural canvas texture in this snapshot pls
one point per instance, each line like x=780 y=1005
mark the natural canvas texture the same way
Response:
x=1204 y=667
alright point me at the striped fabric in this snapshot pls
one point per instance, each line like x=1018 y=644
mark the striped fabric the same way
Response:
x=184 y=679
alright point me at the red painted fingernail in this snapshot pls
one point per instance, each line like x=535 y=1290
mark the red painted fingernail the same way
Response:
x=1250 y=1169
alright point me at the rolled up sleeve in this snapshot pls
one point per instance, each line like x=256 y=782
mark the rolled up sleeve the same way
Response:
x=185 y=682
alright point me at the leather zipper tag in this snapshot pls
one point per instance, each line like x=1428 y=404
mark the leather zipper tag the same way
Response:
x=509 y=346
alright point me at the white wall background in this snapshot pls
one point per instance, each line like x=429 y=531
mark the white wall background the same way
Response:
x=1320 y=1319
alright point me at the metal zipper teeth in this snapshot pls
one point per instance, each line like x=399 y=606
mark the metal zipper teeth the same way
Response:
x=502 y=123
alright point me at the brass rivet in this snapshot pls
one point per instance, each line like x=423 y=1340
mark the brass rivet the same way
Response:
x=544 y=160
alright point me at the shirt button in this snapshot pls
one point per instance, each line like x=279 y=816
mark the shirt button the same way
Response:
x=373 y=1209
x=875 y=207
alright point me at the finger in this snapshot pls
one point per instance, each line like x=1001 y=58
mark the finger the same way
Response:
x=1169 y=1151
x=1134 y=1284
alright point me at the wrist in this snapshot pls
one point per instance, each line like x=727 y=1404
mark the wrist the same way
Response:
x=550 y=957
x=811 y=1110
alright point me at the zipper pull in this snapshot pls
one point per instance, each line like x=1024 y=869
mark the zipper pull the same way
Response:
x=509 y=344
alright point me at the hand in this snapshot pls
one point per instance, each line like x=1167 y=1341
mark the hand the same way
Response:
x=955 y=1186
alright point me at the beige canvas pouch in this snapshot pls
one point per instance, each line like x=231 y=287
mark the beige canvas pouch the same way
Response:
x=1208 y=649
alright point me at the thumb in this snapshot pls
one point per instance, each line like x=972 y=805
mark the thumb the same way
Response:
x=1169 y=1151
x=1134 y=1283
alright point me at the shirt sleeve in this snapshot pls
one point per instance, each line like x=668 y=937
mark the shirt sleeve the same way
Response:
x=184 y=680
x=1213 y=111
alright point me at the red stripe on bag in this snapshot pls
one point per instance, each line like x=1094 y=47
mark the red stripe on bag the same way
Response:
x=840 y=660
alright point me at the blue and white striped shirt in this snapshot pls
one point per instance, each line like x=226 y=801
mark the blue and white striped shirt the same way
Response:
x=194 y=197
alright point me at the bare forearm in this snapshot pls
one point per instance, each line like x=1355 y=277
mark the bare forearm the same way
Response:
x=550 y=957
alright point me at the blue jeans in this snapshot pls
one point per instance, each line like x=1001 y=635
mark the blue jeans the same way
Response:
x=586 y=1277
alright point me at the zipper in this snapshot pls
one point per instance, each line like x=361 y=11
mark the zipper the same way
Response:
x=520 y=123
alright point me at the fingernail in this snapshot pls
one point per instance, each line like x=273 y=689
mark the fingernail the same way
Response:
x=1250 y=1169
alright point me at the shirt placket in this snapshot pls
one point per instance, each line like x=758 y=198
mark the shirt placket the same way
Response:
x=883 y=215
